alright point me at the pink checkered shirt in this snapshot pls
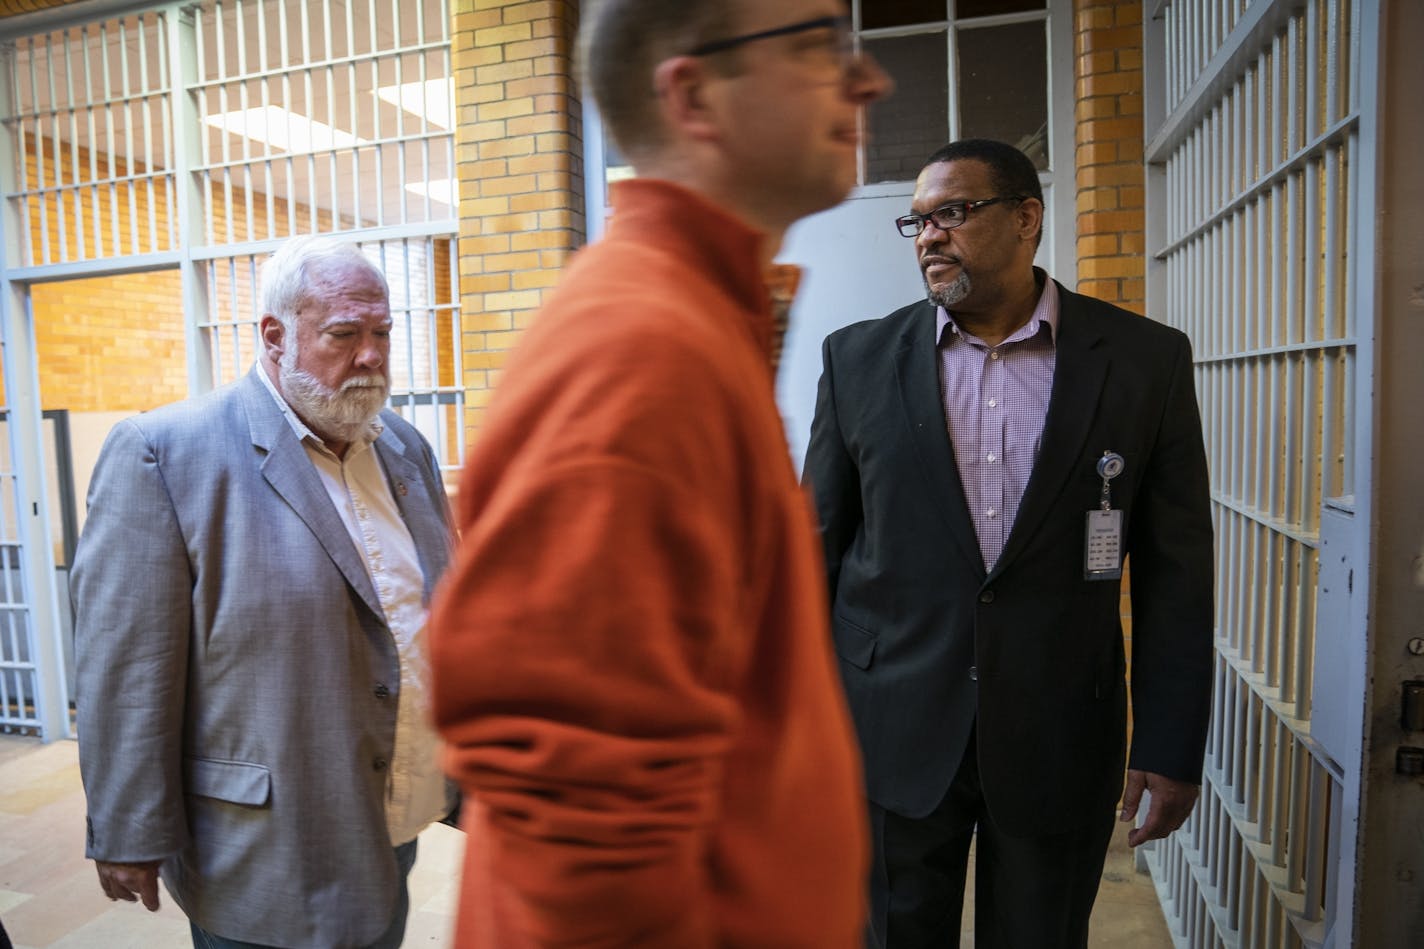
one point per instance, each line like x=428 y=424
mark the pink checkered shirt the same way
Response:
x=995 y=400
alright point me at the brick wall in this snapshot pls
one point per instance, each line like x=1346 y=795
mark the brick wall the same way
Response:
x=1111 y=176
x=519 y=155
x=1108 y=40
x=111 y=344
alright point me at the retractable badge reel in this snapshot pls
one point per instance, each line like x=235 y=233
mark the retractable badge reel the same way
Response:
x=1102 y=540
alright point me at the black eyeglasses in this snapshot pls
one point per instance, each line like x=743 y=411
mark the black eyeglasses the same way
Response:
x=946 y=217
x=840 y=25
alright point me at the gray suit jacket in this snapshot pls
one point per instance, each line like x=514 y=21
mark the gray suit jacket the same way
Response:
x=237 y=682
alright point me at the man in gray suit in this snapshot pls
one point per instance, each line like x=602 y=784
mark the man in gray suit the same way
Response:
x=250 y=595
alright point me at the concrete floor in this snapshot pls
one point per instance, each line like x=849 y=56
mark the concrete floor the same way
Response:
x=50 y=897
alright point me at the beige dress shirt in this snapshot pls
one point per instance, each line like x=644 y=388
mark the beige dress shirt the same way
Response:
x=417 y=793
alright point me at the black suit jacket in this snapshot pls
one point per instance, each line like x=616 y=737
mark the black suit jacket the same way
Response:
x=929 y=644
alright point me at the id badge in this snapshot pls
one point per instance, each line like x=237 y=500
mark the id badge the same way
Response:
x=1102 y=546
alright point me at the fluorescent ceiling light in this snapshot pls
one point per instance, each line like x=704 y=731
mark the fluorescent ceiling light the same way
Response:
x=441 y=190
x=432 y=100
x=284 y=130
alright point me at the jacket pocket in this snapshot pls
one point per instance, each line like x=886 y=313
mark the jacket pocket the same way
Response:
x=855 y=644
x=236 y=781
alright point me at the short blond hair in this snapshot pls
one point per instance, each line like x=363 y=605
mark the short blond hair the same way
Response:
x=621 y=42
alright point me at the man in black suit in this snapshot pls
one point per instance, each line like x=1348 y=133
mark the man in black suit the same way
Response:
x=983 y=462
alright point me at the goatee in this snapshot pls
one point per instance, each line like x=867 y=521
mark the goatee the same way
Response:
x=950 y=294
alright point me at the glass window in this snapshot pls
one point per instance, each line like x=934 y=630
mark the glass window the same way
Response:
x=961 y=77
x=1003 y=86
x=907 y=128
x=964 y=9
x=878 y=14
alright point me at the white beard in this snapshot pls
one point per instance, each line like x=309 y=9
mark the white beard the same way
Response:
x=343 y=413
x=952 y=293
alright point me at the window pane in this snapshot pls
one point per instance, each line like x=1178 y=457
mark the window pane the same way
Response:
x=875 y=14
x=616 y=166
x=1003 y=86
x=968 y=8
x=909 y=126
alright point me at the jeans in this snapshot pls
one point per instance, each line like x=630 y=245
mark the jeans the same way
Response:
x=390 y=939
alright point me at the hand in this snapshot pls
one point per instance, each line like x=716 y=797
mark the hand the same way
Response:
x=130 y=882
x=1171 y=804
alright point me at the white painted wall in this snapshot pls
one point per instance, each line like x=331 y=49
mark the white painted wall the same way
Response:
x=856 y=267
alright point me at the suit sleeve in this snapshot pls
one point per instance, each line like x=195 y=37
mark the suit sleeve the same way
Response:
x=583 y=648
x=832 y=475
x=1172 y=572
x=132 y=593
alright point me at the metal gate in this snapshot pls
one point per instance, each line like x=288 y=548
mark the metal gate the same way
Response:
x=1256 y=204
x=19 y=673
x=195 y=137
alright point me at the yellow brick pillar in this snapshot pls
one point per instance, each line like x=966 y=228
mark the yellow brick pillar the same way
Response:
x=1109 y=150
x=519 y=164
x=1110 y=172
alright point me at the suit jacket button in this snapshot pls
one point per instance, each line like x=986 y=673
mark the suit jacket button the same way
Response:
x=379 y=764
x=987 y=596
x=973 y=674
x=381 y=691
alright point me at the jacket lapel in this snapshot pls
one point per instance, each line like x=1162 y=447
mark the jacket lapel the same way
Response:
x=1079 y=371
x=287 y=468
x=918 y=378
x=420 y=512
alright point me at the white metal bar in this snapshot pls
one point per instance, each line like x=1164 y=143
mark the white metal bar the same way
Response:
x=115 y=239
x=127 y=96
x=96 y=216
x=313 y=180
x=39 y=161
x=74 y=163
x=56 y=150
x=148 y=150
x=229 y=231
x=288 y=161
x=169 y=150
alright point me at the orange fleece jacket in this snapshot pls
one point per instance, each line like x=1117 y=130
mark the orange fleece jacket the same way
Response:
x=631 y=655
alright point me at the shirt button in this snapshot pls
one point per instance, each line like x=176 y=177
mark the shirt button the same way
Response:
x=381 y=691
x=990 y=458
x=993 y=403
x=987 y=596
x=379 y=764
x=973 y=674
x=994 y=354
x=990 y=513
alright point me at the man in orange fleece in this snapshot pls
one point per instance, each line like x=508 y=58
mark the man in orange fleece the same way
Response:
x=631 y=657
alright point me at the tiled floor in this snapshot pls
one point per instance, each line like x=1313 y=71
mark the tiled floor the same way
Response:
x=50 y=898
